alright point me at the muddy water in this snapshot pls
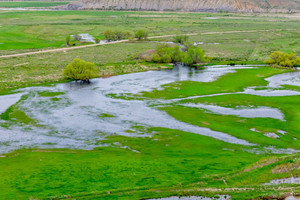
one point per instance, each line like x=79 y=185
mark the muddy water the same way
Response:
x=86 y=113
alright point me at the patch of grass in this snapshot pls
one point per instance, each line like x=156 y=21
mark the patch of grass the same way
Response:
x=232 y=82
x=113 y=169
x=50 y=94
x=106 y=115
x=13 y=114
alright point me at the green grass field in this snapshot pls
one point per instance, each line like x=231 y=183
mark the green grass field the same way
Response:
x=48 y=29
x=171 y=162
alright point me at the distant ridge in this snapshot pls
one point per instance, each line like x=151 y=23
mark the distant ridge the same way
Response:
x=188 y=5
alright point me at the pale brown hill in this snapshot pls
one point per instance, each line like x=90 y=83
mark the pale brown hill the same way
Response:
x=189 y=5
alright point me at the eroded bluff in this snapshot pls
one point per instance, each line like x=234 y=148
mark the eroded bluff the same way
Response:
x=188 y=5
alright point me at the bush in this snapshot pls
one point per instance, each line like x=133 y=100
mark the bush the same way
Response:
x=176 y=54
x=109 y=35
x=180 y=39
x=193 y=56
x=68 y=39
x=165 y=54
x=187 y=45
x=80 y=70
x=97 y=40
x=116 y=35
x=141 y=34
x=283 y=59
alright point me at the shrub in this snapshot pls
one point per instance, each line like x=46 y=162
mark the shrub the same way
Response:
x=193 y=56
x=283 y=59
x=119 y=35
x=176 y=54
x=116 y=35
x=80 y=70
x=180 y=39
x=109 y=35
x=141 y=34
x=187 y=45
x=97 y=40
x=68 y=39
x=166 y=54
x=163 y=54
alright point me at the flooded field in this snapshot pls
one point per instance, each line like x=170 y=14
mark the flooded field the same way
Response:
x=78 y=116
x=209 y=128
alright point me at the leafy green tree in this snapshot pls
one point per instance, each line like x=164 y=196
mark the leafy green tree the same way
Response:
x=116 y=35
x=109 y=35
x=166 y=54
x=163 y=54
x=283 y=59
x=80 y=70
x=176 y=54
x=194 y=55
x=119 y=35
x=141 y=35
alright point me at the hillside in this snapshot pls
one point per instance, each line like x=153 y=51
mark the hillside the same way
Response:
x=189 y=5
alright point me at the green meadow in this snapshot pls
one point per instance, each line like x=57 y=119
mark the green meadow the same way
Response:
x=170 y=162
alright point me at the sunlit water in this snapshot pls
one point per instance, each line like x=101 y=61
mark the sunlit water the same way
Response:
x=77 y=119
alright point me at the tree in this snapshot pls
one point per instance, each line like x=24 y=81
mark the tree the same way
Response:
x=80 y=70
x=141 y=34
x=176 y=54
x=119 y=35
x=116 y=35
x=283 y=59
x=193 y=56
x=109 y=35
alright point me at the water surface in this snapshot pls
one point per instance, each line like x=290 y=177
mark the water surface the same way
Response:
x=84 y=114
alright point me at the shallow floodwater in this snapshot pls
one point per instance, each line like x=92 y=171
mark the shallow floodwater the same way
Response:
x=292 y=180
x=263 y=112
x=84 y=114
